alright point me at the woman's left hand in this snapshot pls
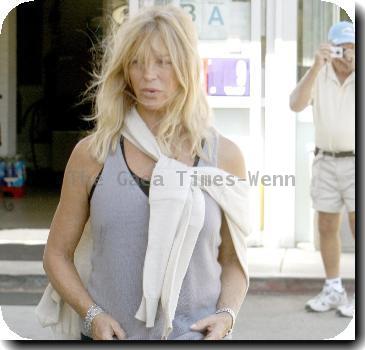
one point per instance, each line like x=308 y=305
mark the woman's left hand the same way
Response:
x=215 y=326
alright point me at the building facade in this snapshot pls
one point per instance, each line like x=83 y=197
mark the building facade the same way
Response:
x=253 y=53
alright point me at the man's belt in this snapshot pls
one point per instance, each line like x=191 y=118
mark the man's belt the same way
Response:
x=334 y=154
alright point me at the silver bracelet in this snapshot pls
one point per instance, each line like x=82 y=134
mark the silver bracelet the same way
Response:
x=233 y=315
x=92 y=311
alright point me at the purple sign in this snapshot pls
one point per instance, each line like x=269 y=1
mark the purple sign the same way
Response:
x=228 y=77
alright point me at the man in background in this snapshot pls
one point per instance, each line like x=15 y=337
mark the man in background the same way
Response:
x=329 y=85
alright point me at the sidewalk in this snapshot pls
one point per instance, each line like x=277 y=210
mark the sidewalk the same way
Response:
x=268 y=317
x=263 y=263
x=281 y=280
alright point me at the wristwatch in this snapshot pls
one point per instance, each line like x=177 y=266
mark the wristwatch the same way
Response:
x=233 y=315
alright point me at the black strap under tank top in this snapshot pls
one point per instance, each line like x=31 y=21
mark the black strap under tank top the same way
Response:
x=143 y=183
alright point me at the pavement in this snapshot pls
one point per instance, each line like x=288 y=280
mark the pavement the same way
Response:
x=281 y=280
x=271 y=269
x=262 y=317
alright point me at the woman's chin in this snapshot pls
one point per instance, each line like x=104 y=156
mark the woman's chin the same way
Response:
x=152 y=107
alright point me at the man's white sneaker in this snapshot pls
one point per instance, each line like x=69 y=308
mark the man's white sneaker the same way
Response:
x=348 y=309
x=326 y=300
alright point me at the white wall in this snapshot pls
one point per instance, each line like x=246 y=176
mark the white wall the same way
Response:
x=280 y=125
x=304 y=156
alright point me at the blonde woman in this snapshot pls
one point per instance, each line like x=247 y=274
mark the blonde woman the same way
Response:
x=150 y=66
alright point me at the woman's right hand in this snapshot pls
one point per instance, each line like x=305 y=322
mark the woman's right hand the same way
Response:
x=105 y=327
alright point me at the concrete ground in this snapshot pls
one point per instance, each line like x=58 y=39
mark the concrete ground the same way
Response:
x=282 y=317
x=262 y=317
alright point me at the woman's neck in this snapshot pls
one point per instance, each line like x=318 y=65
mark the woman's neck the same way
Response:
x=151 y=118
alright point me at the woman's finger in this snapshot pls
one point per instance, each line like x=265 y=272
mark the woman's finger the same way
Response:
x=200 y=325
x=119 y=332
x=214 y=334
x=106 y=335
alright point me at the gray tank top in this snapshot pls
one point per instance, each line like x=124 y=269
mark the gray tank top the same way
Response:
x=119 y=217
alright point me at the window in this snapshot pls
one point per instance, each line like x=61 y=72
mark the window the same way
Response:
x=215 y=19
x=220 y=19
x=315 y=18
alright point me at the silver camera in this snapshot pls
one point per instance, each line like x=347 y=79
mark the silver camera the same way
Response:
x=336 y=52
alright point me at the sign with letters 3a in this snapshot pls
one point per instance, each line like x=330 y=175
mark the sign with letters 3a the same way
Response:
x=220 y=19
x=209 y=16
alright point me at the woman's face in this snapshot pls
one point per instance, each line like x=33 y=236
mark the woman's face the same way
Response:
x=155 y=81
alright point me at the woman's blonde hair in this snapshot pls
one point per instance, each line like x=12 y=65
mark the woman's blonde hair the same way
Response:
x=188 y=117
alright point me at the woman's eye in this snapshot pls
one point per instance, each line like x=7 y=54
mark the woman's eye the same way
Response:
x=166 y=62
x=163 y=62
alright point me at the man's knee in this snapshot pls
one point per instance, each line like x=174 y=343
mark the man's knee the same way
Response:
x=328 y=223
x=352 y=221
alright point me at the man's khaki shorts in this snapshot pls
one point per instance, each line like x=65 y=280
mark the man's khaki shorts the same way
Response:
x=333 y=183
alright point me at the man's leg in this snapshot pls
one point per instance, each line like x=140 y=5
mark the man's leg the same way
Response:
x=352 y=223
x=347 y=181
x=330 y=242
x=327 y=201
x=348 y=309
x=333 y=294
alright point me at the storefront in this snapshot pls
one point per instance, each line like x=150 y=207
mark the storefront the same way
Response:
x=253 y=53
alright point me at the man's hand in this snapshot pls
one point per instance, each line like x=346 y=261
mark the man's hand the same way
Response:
x=349 y=56
x=323 y=55
x=215 y=326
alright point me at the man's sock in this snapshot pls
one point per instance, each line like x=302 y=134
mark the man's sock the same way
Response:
x=335 y=283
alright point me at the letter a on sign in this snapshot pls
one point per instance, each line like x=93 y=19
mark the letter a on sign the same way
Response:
x=216 y=16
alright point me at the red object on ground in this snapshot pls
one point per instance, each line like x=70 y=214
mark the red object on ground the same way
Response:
x=16 y=192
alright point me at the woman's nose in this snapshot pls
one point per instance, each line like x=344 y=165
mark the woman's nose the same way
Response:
x=149 y=71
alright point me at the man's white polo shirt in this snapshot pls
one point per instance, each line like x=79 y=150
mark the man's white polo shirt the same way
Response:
x=334 y=111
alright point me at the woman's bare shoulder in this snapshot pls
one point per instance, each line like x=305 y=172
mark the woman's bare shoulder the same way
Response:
x=82 y=153
x=83 y=163
x=230 y=157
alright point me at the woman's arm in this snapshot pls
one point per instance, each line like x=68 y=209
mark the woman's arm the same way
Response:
x=65 y=232
x=233 y=280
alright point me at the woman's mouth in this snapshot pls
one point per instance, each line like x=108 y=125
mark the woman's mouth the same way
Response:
x=150 y=92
